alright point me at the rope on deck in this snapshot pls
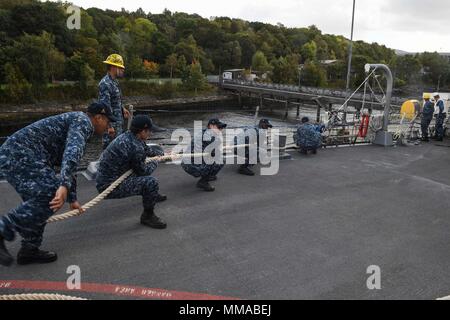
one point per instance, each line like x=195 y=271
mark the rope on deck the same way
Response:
x=37 y=297
x=122 y=178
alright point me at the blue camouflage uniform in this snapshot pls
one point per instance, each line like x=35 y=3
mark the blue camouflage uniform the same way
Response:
x=440 y=118
x=308 y=137
x=111 y=96
x=124 y=153
x=244 y=138
x=28 y=160
x=201 y=170
x=427 y=116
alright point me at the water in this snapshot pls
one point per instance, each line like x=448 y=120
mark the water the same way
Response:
x=181 y=120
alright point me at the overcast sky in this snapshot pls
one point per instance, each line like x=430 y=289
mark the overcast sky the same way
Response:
x=410 y=25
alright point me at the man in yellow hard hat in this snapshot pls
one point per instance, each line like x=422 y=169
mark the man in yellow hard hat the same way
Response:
x=427 y=116
x=110 y=95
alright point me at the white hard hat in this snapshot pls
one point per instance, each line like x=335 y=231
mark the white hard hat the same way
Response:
x=436 y=94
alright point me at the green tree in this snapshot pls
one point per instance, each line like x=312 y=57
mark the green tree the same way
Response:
x=259 y=62
x=18 y=89
x=194 y=79
x=171 y=63
x=309 y=51
x=407 y=68
x=313 y=75
x=78 y=70
x=286 y=69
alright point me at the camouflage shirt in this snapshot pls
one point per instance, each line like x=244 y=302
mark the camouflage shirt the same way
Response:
x=308 y=136
x=124 y=153
x=111 y=96
x=59 y=141
x=428 y=109
x=200 y=143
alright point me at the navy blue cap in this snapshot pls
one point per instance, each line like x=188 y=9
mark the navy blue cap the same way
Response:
x=265 y=122
x=142 y=122
x=217 y=122
x=99 y=108
x=305 y=119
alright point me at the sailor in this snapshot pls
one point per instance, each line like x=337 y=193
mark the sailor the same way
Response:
x=28 y=160
x=129 y=151
x=427 y=116
x=207 y=172
x=440 y=115
x=111 y=96
x=245 y=169
x=308 y=137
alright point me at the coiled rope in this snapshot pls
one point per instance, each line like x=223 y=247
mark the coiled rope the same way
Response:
x=122 y=178
x=38 y=296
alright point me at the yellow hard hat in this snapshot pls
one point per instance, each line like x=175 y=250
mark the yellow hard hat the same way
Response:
x=427 y=95
x=115 y=60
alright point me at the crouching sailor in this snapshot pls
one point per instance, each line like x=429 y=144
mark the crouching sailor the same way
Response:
x=308 y=137
x=244 y=138
x=197 y=167
x=129 y=151
x=28 y=160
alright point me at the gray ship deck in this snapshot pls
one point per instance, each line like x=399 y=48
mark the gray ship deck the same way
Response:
x=309 y=232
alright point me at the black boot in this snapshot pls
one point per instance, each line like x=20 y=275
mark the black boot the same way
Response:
x=34 y=255
x=161 y=198
x=246 y=171
x=6 y=258
x=303 y=151
x=212 y=178
x=314 y=151
x=150 y=219
x=204 y=184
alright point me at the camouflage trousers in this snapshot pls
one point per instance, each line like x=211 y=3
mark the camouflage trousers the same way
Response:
x=202 y=170
x=424 y=125
x=107 y=139
x=145 y=186
x=440 y=126
x=36 y=183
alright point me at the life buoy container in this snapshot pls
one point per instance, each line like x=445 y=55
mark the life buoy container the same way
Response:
x=364 y=126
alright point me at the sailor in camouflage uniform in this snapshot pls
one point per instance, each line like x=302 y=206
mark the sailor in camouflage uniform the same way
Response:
x=427 y=116
x=244 y=138
x=129 y=151
x=440 y=115
x=206 y=172
x=28 y=160
x=308 y=137
x=111 y=96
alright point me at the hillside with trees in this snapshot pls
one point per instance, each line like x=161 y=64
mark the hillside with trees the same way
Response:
x=43 y=59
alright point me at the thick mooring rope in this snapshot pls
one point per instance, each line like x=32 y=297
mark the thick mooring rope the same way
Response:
x=37 y=297
x=115 y=184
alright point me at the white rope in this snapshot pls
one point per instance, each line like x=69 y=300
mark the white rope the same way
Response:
x=37 y=296
x=349 y=98
x=122 y=178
